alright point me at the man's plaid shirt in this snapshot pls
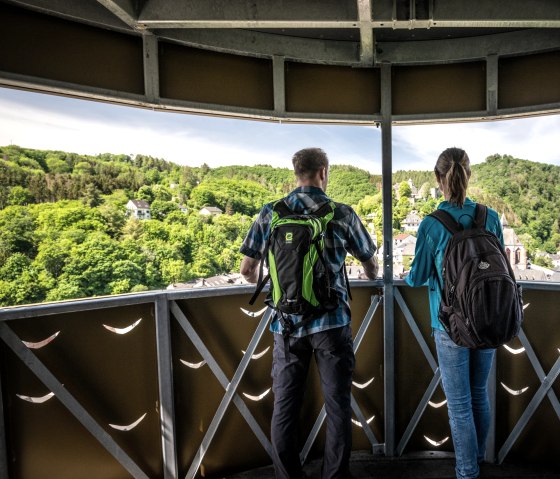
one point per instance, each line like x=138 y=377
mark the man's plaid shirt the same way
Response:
x=345 y=233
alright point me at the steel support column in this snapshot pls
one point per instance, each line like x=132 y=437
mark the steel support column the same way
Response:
x=279 y=79
x=166 y=395
x=388 y=304
x=492 y=84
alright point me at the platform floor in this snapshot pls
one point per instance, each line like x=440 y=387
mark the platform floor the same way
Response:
x=420 y=466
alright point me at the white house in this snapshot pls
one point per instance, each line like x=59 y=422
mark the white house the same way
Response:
x=210 y=210
x=139 y=209
x=402 y=239
x=411 y=222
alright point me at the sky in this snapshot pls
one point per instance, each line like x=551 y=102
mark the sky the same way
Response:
x=50 y=122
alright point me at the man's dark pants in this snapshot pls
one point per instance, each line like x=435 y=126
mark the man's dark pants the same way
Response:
x=335 y=360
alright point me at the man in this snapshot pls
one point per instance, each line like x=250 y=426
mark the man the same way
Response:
x=327 y=336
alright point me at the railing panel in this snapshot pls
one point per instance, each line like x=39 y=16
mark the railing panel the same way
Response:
x=113 y=376
x=527 y=405
x=414 y=374
x=539 y=440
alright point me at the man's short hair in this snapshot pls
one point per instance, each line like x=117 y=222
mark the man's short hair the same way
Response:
x=309 y=161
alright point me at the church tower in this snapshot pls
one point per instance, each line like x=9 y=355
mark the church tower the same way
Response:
x=515 y=250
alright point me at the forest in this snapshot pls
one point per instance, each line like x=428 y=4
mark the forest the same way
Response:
x=65 y=232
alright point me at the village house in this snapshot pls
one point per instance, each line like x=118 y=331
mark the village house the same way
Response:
x=404 y=247
x=411 y=222
x=138 y=209
x=210 y=210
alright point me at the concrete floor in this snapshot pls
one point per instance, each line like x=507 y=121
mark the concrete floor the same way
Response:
x=420 y=466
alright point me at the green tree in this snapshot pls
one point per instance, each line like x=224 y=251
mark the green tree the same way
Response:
x=145 y=193
x=91 y=196
x=174 y=271
x=404 y=190
x=349 y=184
x=17 y=232
x=53 y=255
x=160 y=209
x=162 y=193
x=14 y=266
x=19 y=195
x=367 y=205
x=56 y=165
x=83 y=168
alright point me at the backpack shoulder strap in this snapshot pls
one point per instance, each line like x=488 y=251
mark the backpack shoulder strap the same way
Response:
x=324 y=209
x=282 y=208
x=447 y=221
x=480 y=214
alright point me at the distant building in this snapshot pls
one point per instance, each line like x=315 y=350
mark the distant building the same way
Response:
x=555 y=258
x=371 y=228
x=435 y=193
x=210 y=210
x=411 y=222
x=515 y=250
x=221 y=280
x=402 y=239
x=413 y=189
x=404 y=246
x=138 y=209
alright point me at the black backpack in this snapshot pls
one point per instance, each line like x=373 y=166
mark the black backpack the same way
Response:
x=301 y=282
x=481 y=304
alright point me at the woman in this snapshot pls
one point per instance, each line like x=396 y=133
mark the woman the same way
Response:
x=464 y=372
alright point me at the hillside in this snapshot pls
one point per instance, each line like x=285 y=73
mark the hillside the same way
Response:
x=65 y=233
x=527 y=192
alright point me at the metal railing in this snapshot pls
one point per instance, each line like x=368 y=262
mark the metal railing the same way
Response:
x=177 y=384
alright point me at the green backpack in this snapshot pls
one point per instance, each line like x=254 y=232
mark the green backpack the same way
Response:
x=301 y=282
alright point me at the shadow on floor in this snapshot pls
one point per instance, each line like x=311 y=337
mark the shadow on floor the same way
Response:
x=429 y=465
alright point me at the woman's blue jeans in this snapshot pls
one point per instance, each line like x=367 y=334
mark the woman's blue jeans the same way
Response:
x=464 y=373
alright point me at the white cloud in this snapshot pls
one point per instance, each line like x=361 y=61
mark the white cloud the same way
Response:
x=33 y=127
x=528 y=138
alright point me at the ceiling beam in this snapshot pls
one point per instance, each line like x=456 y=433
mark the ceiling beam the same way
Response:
x=266 y=45
x=367 y=43
x=468 y=48
x=123 y=9
x=334 y=24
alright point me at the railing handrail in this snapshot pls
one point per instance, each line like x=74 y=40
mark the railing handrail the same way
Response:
x=100 y=302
